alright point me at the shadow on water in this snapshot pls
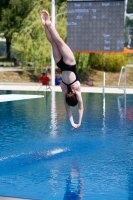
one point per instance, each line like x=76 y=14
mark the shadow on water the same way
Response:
x=74 y=185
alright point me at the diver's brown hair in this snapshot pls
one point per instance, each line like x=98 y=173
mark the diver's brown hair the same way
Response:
x=71 y=98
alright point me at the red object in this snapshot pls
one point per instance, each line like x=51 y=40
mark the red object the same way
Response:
x=44 y=80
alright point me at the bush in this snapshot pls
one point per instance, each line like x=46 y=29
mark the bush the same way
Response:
x=82 y=63
x=108 y=62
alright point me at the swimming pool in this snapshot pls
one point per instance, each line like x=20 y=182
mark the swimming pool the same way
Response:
x=41 y=158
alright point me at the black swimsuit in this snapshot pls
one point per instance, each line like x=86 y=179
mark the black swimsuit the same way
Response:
x=64 y=67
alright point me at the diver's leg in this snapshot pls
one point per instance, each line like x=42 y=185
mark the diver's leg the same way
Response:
x=65 y=51
x=56 y=53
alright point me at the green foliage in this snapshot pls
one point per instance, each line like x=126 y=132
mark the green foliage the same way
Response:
x=130 y=6
x=13 y=15
x=3 y=4
x=30 y=44
x=109 y=62
x=61 y=21
x=129 y=22
x=59 y=3
x=82 y=61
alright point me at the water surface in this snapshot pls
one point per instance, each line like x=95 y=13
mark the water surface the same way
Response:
x=42 y=158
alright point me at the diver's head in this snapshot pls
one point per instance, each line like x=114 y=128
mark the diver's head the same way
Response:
x=71 y=99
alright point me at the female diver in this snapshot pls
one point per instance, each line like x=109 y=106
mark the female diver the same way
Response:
x=65 y=60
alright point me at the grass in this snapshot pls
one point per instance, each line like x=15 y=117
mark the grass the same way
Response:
x=131 y=59
x=111 y=79
x=18 y=77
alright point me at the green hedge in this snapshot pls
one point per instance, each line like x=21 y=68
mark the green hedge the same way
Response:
x=108 y=62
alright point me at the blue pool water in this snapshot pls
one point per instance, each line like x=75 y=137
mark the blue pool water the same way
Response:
x=42 y=158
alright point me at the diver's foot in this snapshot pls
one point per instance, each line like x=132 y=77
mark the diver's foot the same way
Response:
x=47 y=18
x=43 y=18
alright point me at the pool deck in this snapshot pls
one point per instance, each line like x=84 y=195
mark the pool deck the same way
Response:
x=37 y=87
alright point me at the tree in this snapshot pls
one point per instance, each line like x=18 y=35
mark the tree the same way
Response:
x=13 y=13
x=3 y=4
x=129 y=22
x=130 y=6
x=59 y=2
x=30 y=44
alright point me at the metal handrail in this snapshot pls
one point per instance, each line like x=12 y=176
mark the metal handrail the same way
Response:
x=123 y=68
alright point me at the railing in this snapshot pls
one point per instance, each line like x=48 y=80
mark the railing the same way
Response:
x=124 y=88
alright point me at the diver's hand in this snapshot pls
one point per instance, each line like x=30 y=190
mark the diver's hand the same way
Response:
x=75 y=126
